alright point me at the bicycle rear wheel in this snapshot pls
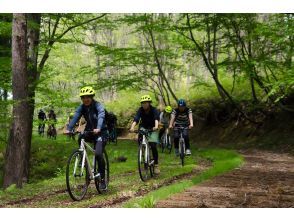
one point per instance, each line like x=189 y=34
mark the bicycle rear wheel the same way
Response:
x=143 y=167
x=96 y=170
x=77 y=177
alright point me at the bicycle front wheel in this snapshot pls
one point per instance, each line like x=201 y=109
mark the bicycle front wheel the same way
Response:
x=77 y=176
x=182 y=152
x=143 y=166
x=169 y=144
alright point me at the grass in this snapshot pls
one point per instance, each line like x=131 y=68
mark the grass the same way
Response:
x=48 y=174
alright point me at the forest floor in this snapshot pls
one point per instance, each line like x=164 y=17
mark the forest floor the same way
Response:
x=265 y=180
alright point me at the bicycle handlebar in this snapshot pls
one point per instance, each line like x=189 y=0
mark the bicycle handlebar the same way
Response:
x=80 y=132
x=142 y=131
x=181 y=128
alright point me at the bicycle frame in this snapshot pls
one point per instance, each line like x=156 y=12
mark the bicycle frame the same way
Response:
x=147 y=150
x=181 y=129
x=83 y=148
x=145 y=142
x=183 y=141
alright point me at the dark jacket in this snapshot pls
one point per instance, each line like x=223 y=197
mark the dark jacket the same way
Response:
x=147 y=120
x=93 y=114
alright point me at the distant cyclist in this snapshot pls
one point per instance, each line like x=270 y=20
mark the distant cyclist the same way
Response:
x=147 y=116
x=42 y=119
x=181 y=117
x=164 y=119
x=52 y=118
x=94 y=114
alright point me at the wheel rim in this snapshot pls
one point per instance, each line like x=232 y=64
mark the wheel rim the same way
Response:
x=77 y=177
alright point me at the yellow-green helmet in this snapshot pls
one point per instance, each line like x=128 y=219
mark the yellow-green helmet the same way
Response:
x=146 y=98
x=168 y=109
x=88 y=90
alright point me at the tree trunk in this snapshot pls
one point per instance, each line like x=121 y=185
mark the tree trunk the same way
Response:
x=34 y=21
x=18 y=140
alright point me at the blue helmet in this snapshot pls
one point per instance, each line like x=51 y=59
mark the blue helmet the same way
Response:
x=181 y=103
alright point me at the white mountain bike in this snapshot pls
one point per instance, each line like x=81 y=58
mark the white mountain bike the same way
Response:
x=80 y=172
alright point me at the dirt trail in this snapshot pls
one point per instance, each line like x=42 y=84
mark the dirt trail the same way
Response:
x=265 y=180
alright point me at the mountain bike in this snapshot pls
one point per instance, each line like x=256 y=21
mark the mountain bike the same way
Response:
x=182 y=146
x=165 y=141
x=145 y=162
x=80 y=172
x=51 y=132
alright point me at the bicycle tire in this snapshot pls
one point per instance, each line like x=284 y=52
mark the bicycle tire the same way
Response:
x=162 y=144
x=170 y=146
x=97 y=181
x=87 y=179
x=182 y=153
x=143 y=167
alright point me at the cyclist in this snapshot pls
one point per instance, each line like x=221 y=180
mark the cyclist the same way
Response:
x=164 y=119
x=94 y=114
x=181 y=117
x=52 y=118
x=148 y=117
x=42 y=119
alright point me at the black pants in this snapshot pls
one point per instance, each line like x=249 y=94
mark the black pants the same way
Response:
x=177 y=138
x=100 y=144
x=153 y=149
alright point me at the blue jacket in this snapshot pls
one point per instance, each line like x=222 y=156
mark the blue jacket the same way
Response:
x=93 y=114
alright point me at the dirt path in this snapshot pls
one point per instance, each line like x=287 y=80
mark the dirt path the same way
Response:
x=265 y=180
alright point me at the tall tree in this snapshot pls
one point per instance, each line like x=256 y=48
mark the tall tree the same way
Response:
x=25 y=49
x=17 y=144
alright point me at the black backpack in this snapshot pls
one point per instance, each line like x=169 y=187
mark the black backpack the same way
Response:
x=110 y=118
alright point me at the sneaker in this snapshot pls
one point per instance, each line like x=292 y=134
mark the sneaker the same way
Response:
x=177 y=152
x=156 y=169
x=188 y=152
x=103 y=185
